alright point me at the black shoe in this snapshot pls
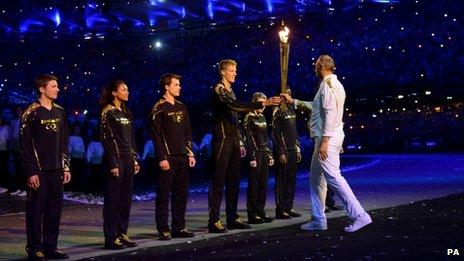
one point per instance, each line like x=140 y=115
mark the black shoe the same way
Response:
x=124 y=239
x=255 y=220
x=267 y=219
x=327 y=210
x=35 y=255
x=114 y=245
x=283 y=215
x=55 y=254
x=238 y=224
x=293 y=213
x=216 y=228
x=184 y=233
x=165 y=236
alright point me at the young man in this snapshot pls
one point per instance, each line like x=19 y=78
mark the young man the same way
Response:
x=326 y=128
x=227 y=148
x=172 y=136
x=45 y=160
x=288 y=155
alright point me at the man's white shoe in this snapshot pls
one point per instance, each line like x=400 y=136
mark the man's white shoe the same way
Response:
x=3 y=190
x=22 y=194
x=16 y=192
x=359 y=223
x=314 y=226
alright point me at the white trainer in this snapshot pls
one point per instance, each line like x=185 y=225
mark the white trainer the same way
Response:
x=22 y=194
x=359 y=223
x=314 y=226
x=16 y=192
x=3 y=190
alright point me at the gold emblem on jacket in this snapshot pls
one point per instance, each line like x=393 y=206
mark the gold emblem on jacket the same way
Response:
x=51 y=124
x=177 y=116
x=124 y=121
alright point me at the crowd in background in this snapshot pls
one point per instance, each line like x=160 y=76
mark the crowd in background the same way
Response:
x=401 y=66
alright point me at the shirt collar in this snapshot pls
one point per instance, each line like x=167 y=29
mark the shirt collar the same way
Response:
x=332 y=76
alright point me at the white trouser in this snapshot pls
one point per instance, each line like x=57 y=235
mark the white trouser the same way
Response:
x=325 y=172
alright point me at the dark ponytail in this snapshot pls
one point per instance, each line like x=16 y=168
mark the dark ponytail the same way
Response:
x=107 y=97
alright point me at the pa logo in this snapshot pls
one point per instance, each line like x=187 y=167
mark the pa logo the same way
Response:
x=452 y=252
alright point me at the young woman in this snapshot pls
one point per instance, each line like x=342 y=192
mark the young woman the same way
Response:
x=120 y=159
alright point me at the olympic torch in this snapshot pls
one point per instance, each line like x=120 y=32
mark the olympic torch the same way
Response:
x=284 y=50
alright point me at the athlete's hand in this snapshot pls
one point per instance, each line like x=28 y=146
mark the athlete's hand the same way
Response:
x=298 y=157
x=271 y=162
x=136 y=168
x=272 y=101
x=287 y=98
x=324 y=149
x=115 y=172
x=192 y=162
x=253 y=164
x=33 y=182
x=164 y=165
x=283 y=159
x=242 y=152
x=66 y=177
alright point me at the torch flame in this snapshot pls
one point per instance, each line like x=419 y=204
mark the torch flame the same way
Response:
x=283 y=34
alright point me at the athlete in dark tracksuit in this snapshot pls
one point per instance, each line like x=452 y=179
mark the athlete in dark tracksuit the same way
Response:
x=44 y=152
x=226 y=152
x=287 y=154
x=172 y=136
x=119 y=152
x=227 y=148
x=260 y=155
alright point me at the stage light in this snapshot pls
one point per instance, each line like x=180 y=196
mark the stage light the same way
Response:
x=209 y=9
x=269 y=6
x=158 y=45
x=428 y=92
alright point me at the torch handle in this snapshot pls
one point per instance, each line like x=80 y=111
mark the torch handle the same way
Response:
x=284 y=54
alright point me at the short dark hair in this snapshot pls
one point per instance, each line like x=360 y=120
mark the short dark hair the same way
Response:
x=43 y=80
x=166 y=80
